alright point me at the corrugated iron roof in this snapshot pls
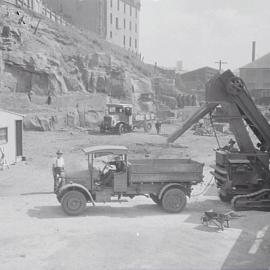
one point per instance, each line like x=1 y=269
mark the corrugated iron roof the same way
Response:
x=200 y=69
x=262 y=62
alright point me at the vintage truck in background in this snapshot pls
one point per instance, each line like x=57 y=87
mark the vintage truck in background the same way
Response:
x=109 y=173
x=121 y=118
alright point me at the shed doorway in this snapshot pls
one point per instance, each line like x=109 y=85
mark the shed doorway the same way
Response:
x=19 y=148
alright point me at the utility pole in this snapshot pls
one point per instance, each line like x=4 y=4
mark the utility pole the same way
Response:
x=220 y=63
x=37 y=26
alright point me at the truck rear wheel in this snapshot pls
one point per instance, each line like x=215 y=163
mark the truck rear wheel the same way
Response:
x=73 y=203
x=174 y=200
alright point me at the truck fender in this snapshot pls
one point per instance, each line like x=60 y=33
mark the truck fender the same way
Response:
x=78 y=187
x=169 y=186
x=120 y=123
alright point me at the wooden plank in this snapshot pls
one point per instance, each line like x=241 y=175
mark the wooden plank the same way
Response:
x=166 y=166
x=168 y=177
x=165 y=169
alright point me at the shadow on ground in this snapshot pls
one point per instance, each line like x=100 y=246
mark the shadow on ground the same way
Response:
x=37 y=193
x=47 y=212
x=194 y=210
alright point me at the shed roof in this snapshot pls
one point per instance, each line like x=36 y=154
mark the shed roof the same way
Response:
x=119 y=104
x=14 y=113
x=105 y=148
x=262 y=62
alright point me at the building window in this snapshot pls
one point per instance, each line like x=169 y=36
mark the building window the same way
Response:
x=124 y=23
x=130 y=26
x=111 y=19
x=251 y=86
x=136 y=12
x=118 y=4
x=130 y=10
x=111 y=3
x=130 y=41
x=124 y=40
x=110 y=34
x=136 y=29
x=251 y=74
x=116 y=23
x=124 y=7
x=266 y=85
x=266 y=75
x=136 y=43
x=3 y=135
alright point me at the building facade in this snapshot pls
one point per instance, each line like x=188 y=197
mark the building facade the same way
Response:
x=123 y=23
x=256 y=75
x=117 y=21
x=197 y=79
x=11 y=136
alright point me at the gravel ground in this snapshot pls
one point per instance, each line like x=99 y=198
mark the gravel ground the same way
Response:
x=132 y=234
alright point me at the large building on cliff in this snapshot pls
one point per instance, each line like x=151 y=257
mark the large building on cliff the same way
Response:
x=117 y=21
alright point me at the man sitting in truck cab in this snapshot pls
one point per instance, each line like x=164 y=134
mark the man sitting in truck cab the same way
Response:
x=117 y=165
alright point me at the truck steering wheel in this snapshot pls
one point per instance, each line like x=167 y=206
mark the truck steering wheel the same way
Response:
x=107 y=166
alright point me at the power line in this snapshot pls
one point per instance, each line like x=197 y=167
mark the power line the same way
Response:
x=220 y=63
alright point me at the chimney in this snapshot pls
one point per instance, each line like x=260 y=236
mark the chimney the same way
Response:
x=253 y=50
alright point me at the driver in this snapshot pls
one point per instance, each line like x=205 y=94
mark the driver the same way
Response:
x=230 y=147
x=119 y=164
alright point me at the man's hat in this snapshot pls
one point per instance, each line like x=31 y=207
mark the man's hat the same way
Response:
x=59 y=152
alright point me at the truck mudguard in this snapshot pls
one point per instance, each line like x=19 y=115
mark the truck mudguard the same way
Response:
x=77 y=187
x=172 y=185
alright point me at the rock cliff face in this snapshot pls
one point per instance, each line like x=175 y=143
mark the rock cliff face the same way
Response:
x=58 y=59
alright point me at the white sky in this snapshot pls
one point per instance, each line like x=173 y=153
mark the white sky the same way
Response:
x=200 y=32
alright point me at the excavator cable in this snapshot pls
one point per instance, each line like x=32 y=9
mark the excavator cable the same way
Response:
x=210 y=183
x=215 y=133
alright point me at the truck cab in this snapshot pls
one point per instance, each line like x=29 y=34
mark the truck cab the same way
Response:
x=105 y=174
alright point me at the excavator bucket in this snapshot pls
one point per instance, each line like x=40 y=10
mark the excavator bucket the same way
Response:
x=199 y=114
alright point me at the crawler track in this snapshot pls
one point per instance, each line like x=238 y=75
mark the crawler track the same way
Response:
x=256 y=200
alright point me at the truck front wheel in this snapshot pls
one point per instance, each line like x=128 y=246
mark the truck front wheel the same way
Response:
x=121 y=129
x=149 y=127
x=174 y=200
x=73 y=203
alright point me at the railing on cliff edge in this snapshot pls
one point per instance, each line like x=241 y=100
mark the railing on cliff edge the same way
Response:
x=38 y=7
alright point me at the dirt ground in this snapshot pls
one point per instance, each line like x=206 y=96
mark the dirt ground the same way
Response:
x=130 y=234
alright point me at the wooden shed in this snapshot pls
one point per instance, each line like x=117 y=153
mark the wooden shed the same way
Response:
x=11 y=136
